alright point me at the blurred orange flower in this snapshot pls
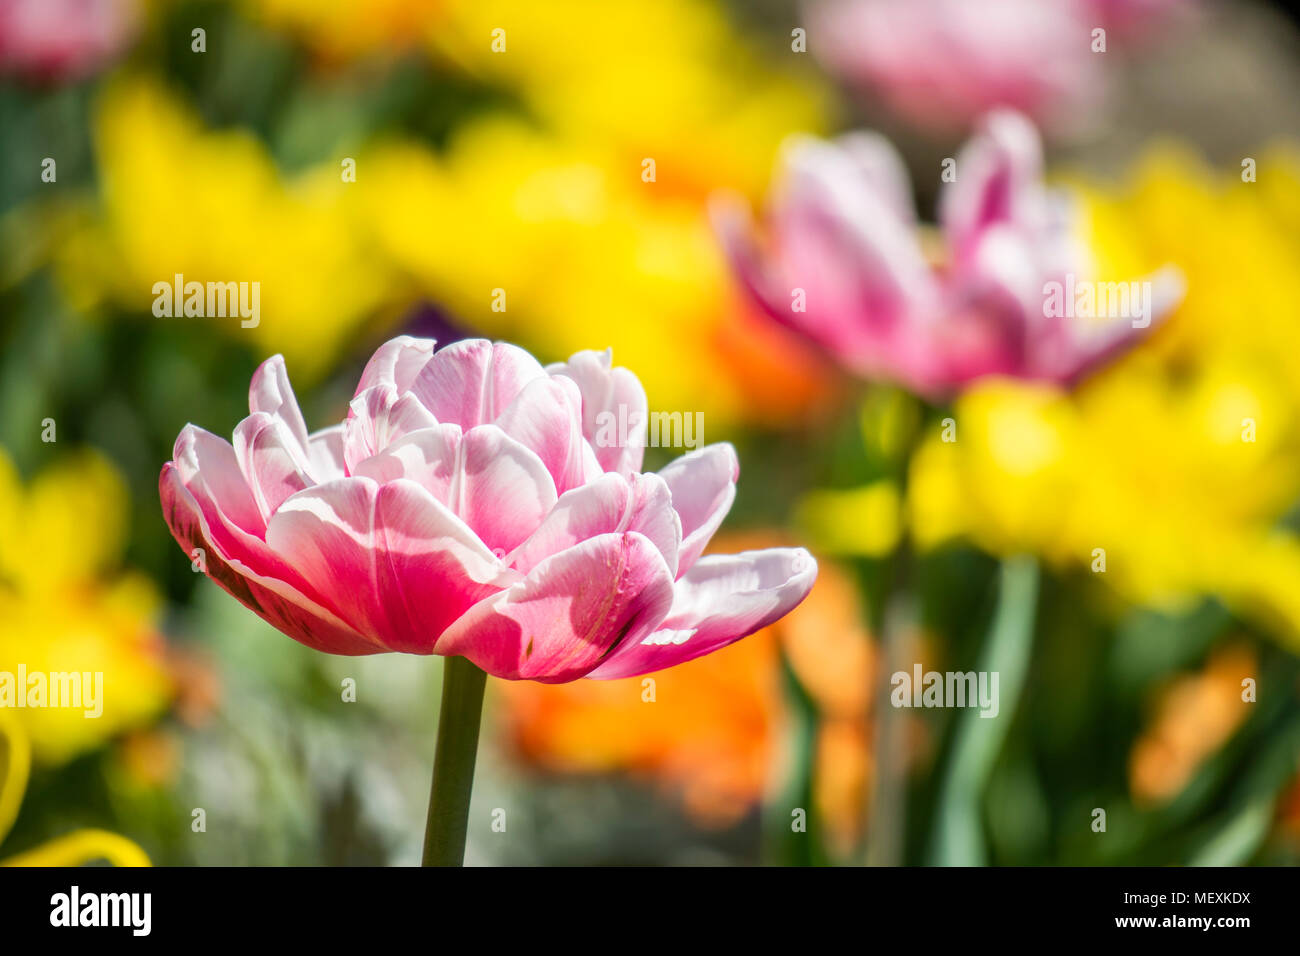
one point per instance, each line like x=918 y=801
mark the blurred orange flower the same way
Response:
x=1288 y=812
x=711 y=732
x=149 y=759
x=1194 y=717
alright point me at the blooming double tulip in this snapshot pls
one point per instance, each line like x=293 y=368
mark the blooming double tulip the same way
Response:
x=465 y=507
x=845 y=265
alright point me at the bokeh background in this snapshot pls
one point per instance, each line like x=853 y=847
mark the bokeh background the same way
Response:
x=479 y=169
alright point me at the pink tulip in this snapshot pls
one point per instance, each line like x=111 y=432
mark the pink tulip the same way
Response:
x=1135 y=17
x=64 y=39
x=465 y=508
x=941 y=63
x=844 y=264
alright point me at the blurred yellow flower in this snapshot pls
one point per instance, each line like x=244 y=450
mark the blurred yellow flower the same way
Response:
x=179 y=199
x=526 y=238
x=65 y=608
x=1168 y=474
x=669 y=80
x=72 y=849
x=583 y=224
x=583 y=252
x=576 y=222
x=854 y=521
x=339 y=30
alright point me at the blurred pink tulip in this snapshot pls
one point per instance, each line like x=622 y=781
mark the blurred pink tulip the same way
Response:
x=466 y=507
x=844 y=264
x=63 y=39
x=941 y=63
x=1135 y=16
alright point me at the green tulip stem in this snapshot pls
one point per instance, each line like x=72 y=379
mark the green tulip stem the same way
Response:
x=959 y=837
x=453 y=763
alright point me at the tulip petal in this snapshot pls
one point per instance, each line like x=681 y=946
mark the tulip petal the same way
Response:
x=398 y=565
x=271 y=392
x=1000 y=183
x=327 y=532
x=434 y=569
x=882 y=169
x=377 y=418
x=208 y=467
x=473 y=381
x=609 y=395
x=277 y=602
x=609 y=504
x=502 y=489
x=703 y=485
x=396 y=364
x=428 y=456
x=841 y=240
x=723 y=598
x=1093 y=344
x=270 y=460
x=568 y=613
x=325 y=454
x=546 y=417
x=493 y=483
